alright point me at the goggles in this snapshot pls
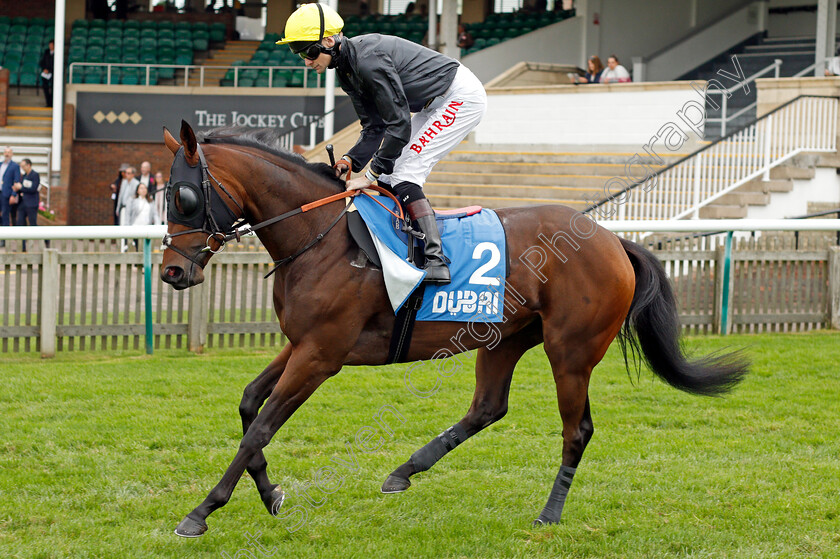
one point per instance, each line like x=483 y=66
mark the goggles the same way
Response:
x=311 y=51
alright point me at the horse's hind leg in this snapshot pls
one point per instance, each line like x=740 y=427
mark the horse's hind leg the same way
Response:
x=493 y=373
x=572 y=365
x=254 y=395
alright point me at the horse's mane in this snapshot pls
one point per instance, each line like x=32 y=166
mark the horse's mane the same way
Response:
x=264 y=139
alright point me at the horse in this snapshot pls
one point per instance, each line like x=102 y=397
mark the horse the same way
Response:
x=574 y=287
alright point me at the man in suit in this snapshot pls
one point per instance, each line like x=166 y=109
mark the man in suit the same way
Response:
x=10 y=178
x=46 y=70
x=29 y=196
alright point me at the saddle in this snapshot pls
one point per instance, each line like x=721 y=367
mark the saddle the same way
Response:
x=361 y=235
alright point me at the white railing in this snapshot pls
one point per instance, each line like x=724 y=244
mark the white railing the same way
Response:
x=187 y=68
x=804 y=124
x=726 y=93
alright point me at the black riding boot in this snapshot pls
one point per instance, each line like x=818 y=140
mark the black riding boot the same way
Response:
x=437 y=272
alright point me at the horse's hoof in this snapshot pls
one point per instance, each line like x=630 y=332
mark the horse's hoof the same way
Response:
x=395 y=484
x=274 y=500
x=539 y=523
x=189 y=528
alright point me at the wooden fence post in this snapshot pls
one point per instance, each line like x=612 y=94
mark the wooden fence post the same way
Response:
x=49 y=301
x=724 y=284
x=198 y=313
x=834 y=287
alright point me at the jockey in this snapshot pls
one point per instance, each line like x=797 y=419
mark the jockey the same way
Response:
x=388 y=78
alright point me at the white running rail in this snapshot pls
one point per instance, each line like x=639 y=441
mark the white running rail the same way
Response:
x=804 y=124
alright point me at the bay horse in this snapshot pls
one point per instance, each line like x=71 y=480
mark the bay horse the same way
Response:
x=585 y=288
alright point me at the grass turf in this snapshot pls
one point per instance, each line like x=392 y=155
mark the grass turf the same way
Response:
x=101 y=455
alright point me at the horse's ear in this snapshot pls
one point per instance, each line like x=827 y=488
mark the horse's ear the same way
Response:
x=189 y=142
x=170 y=141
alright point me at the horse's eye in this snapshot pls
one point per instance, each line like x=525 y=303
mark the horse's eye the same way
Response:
x=186 y=200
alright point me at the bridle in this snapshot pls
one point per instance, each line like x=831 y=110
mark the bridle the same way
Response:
x=229 y=229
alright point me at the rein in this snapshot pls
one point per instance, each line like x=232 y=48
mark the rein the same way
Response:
x=220 y=236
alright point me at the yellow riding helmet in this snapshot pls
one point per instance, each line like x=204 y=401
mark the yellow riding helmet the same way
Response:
x=312 y=22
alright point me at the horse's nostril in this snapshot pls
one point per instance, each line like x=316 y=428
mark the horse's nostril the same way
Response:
x=173 y=272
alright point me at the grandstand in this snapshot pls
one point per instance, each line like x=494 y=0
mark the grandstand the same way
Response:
x=510 y=160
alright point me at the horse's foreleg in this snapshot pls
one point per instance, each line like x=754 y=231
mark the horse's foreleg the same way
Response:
x=304 y=373
x=252 y=398
x=493 y=373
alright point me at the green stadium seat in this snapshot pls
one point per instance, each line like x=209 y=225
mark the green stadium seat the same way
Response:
x=165 y=43
x=114 y=33
x=246 y=82
x=249 y=74
x=114 y=24
x=493 y=41
x=77 y=77
x=296 y=80
x=129 y=33
x=148 y=25
x=17 y=30
x=20 y=20
x=78 y=41
x=183 y=44
x=4 y=30
x=79 y=24
x=31 y=58
x=5 y=20
x=201 y=26
x=147 y=57
x=93 y=75
x=166 y=35
x=130 y=79
x=218 y=30
x=167 y=25
x=97 y=23
x=96 y=41
x=148 y=43
x=113 y=56
x=28 y=79
x=131 y=24
x=182 y=25
x=15 y=46
x=131 y=57
x=184 y=57
x=260 y=55
x=131 y=43
x=13 y=77
x=96 y=32
x=200 y=44
x=113 y=43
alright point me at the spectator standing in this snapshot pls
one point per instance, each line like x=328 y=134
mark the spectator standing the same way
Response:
x=160 y=197
x=146 y=176
x=47 y=59
x=595 y=69
x=615 y=72
x=115 y=190
x=29 y=196
x=141 y=210
x=10 y=178
x=128 y=190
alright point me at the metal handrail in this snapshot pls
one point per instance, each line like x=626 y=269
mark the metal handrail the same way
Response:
x=187 y=67
x=622 y=192
x=724 y=119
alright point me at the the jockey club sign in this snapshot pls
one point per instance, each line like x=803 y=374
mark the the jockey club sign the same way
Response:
x=139 y=117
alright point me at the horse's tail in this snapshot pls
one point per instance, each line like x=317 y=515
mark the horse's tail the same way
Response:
x=654 y=320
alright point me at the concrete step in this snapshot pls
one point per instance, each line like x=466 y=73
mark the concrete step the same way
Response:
x=566 y=194
x=14 y=131
x=455 y=201
x=828 y=160
x=601 y=169
x=723 y=212
x=739 y=198
x=518 y=180
x=758 y=185
x=792 y=172
x=547 y=157
x=35 y=111
x=21 y=140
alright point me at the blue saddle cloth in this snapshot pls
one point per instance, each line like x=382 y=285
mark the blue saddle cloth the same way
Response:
x=476 y=247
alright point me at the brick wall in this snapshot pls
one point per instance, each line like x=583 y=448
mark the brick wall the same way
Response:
x=28 y=8
x=94 y=166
